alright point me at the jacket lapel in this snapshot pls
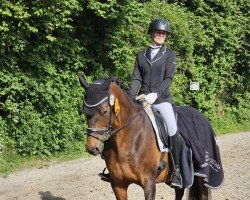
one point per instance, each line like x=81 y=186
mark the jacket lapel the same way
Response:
x=160 y=54
x=147 y=55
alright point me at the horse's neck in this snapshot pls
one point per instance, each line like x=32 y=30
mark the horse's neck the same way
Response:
x=134 y=120
x=135 y=138
x=127 y=107
x=134 y=130
x=131 y=116
x=128 y=111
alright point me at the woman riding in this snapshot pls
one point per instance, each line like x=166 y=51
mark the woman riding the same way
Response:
x=153 y=74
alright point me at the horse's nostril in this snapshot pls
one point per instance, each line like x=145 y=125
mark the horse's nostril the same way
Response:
x=96 y=149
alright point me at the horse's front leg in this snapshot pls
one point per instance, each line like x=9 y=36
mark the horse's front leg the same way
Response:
x=149 y=188
x=120 y=191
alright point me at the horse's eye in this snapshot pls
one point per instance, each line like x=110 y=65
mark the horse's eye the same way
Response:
x=104 y=112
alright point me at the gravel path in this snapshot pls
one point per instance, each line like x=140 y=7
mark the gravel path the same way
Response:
x=77 y=179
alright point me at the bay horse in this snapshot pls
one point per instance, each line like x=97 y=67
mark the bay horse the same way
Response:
x=120 y=130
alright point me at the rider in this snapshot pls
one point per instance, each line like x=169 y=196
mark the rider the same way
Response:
x=153 y=73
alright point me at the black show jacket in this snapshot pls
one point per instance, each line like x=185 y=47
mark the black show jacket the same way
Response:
x=154 y=75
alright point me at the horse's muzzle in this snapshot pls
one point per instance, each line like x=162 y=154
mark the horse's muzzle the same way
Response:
x=95 y=149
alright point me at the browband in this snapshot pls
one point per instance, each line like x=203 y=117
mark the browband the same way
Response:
x=94 y=105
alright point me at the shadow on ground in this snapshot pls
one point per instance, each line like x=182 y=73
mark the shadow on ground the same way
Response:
x=48 y=196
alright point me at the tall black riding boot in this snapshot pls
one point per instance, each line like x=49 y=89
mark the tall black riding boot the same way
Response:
x=175 y=142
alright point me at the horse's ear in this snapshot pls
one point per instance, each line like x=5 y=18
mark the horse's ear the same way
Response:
x=105 y=85
x=83 y=82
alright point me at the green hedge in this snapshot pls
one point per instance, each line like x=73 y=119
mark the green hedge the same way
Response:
x=45 y=43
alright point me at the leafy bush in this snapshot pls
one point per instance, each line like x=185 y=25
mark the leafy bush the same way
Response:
x=45 y=44
x=40 y=56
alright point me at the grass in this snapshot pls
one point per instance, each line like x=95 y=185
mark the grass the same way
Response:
x=235 y=129
x=11 y=161
x=230 y=124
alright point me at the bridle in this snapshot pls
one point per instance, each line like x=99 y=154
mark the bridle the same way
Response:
x=107 y=131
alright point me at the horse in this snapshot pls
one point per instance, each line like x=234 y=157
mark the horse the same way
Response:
x=121 y=132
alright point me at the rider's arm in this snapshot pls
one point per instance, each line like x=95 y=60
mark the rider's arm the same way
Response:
x=169 y=74
x=136 y=80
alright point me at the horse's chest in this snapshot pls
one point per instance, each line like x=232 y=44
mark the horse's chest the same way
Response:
x=121 y=169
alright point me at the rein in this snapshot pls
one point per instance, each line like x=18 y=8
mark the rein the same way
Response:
x=127 y=123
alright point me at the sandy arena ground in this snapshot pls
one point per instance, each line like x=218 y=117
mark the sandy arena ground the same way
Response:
x=77 y=179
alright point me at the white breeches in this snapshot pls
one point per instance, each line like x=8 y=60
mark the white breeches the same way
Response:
x=167 y=112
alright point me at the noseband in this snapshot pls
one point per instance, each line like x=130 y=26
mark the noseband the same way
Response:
x=107 y=132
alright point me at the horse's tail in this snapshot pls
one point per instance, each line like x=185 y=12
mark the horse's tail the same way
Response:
x=199 y=191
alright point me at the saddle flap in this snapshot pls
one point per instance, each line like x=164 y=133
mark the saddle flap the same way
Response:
x=162 y=127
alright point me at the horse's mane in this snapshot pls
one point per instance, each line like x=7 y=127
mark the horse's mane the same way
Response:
x=122 y=85
x=126 y=89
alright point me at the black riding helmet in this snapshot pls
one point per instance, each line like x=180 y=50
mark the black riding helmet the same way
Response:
x=160 y=25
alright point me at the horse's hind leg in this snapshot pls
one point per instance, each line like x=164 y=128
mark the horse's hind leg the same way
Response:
x=199 y=191
x=205 y=193
x=179 y=194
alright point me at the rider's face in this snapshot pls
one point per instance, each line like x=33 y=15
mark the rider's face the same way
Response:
x=158 y=36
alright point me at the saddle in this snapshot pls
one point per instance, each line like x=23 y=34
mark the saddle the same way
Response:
x=162 y=128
